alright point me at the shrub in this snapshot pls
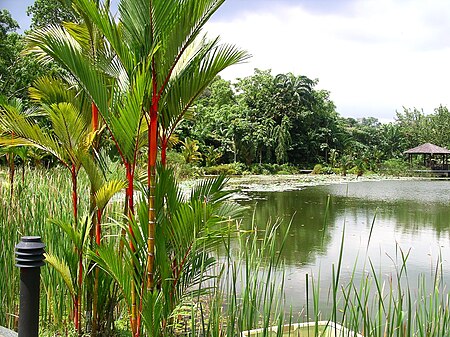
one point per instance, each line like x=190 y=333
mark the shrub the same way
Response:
x=283 y=172
x=289 y=168
x=328 y=170
x=336 y=170
x=181 y=169
x=317 y=169
x=273 y=169
x=226 y=169
x=395 y=167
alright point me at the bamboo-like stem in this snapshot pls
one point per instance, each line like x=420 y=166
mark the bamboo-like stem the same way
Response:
x=98 y=235
x=130 y=209
x=152 y=154
x=73 y=172
x=92 y=298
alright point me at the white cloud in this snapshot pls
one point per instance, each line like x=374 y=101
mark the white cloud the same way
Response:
x=378 y=57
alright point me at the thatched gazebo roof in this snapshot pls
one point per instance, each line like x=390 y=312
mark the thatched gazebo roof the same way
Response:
x=427 y=148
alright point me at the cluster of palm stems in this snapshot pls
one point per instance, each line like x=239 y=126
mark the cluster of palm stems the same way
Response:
x=128 y=80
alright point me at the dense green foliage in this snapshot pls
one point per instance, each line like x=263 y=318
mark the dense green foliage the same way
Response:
x=53 y=12
x=17 y=71
x=266 y=119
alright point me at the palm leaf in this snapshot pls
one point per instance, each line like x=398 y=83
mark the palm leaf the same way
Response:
x=63 y=269
x=70 y=127
x=48 y=90
x=211 y=190
x=107 y=191
x=96 y=178
x=105 y=23
x=27 y=132
x=55 y=43
x=192 y=75
x=119 y=269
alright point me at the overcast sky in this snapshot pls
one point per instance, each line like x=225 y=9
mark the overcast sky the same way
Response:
x=374 y=56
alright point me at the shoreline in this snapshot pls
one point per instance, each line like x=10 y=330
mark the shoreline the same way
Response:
x=292 y=182
x=280 y=183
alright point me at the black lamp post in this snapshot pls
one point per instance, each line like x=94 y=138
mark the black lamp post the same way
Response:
x=29 y=258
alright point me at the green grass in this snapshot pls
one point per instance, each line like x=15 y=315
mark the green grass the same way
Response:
x=44 y=194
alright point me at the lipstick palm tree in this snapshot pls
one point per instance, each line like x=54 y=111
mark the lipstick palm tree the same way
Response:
x=148 y=68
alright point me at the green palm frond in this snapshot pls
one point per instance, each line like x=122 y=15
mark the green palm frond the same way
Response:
x=193 y=74
x=79 y=235
x=70 y=126
x=211 y=190
x=153 y=313
x=80 y=32
x=55 y=43
x=106 y=24
x=95 y=175
x=107 y=191
x=168 y=192
x=137 y=26
x=229 y=211
x=63 y=269
x=28 y=133
x=120 y=269
x=126 y=123
x=182 y=30
x=48 y=90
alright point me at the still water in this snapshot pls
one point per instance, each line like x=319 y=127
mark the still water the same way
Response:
x=412 y=217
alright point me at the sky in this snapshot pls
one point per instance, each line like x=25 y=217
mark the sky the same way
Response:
x=373 y=56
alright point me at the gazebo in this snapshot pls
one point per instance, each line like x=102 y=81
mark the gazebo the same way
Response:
x=431 y=155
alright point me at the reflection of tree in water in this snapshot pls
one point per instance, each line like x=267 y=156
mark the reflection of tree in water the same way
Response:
x=412 y=217
x=306 y=210
x=408 y=216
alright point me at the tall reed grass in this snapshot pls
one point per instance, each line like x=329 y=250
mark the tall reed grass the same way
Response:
x=44 y=195
x=374 y=302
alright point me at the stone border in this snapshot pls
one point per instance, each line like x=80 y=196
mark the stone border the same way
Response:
x=7 y=333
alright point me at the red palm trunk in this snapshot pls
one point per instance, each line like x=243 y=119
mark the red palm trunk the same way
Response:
x=94 y=117
x=73 y=172
x=130 y=209
x=152 y=155
x=80 y=283
x=98 y=228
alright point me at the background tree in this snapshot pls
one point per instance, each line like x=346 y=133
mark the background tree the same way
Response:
x=51 y=12
x=17 y=71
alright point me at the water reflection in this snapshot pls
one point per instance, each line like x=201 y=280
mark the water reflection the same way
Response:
x=408 y=216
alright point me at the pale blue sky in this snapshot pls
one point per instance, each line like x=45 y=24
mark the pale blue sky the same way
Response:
x=374 y=56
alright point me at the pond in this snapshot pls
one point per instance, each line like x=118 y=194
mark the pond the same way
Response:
x=409 y=217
